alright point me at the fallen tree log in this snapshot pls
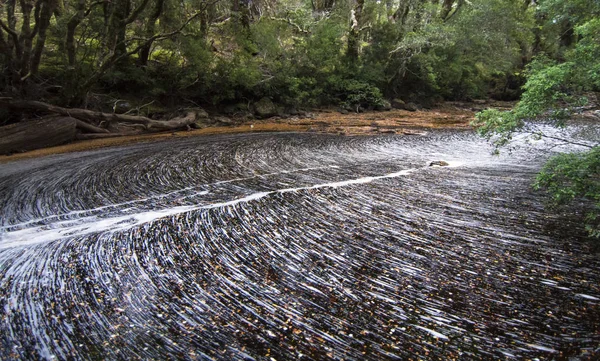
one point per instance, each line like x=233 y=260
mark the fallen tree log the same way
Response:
x=41 y=133
x=89 y=128
x=99 y=136
x=91 y=116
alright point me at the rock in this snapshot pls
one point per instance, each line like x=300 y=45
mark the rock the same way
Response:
x=202 y=118
x=223 y=120
x=413 y=132
x=265 y=108
x=236 y=109
x=121 y=107
x=411 y=107
x=201 y=113
x=398 y=104
x=439 y=163
x=229 y=109
x=343 y=111
x=384 y=106
x=281 y=111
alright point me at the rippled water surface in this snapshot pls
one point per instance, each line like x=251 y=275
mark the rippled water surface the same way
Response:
x=292 y=246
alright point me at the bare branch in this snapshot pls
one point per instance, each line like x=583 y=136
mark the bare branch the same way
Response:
x=92 y=6
x=566 y=140
x=13 y=34
x=9 y=30
x=133 y=16
x=290 y=22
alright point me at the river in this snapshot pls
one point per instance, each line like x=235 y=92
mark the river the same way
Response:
x=294 y=247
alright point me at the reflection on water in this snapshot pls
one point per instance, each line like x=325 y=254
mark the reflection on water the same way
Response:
x=292 y=246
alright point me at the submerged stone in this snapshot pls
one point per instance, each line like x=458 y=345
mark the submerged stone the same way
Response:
x=439 y=163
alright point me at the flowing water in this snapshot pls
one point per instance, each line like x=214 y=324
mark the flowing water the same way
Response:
x=293 y=247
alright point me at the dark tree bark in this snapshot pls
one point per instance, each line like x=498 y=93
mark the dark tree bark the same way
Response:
x=26 y=37
x=89 y=127
x=42 y=24
x=45 y=132
x=99 y=136
x=144 y=54
x=354 y=34
x=71 y=27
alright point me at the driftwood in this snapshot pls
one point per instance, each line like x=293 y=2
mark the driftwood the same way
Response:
x=99 y=135
x=90 y=116
x=41 y=133
x=89 y=128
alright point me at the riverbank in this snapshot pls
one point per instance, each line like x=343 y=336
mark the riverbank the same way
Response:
x=446 y=115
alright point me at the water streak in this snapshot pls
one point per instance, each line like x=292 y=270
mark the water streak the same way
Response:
x=292 y=246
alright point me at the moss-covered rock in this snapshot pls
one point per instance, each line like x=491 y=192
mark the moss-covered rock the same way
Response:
x=265 y=108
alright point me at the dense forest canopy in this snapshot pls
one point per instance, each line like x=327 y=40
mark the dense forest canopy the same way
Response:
x=297 y=52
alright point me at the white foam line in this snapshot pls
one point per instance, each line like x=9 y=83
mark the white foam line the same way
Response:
x=587 y=297
x=542 y=348
x=64 y=229
x=433 y=333
x=165 y=195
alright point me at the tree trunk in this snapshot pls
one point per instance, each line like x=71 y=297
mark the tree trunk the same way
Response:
x=26 y=37
x=5 y=49
x=71 y=26
x=46 y=132
x=354 y=34
x=144 y=54
x=99 y=136
x=46 y=11
x=98 y=117
x=116 y=29
x=446 y=8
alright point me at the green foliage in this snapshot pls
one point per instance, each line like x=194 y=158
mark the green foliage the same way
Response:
x=554 y=90
x=494 y=123
x=354 y=94
x=570 y=177
x=296 y=55
x=546 y=93
x=486 y=43
x=234 y=79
